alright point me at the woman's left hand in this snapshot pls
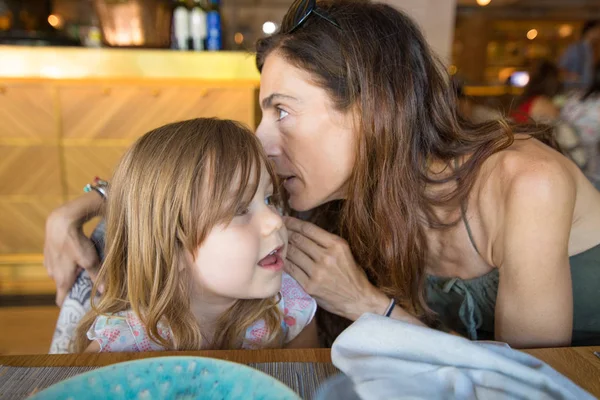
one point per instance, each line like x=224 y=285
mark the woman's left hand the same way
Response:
x=324 y=265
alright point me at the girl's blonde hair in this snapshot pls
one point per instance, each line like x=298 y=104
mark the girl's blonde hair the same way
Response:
x=168 y=191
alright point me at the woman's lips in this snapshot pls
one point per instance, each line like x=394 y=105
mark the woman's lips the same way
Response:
x=289 y=183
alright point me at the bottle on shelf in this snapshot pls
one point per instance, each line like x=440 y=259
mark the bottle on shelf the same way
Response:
x=213 y=22
x=198 y=27
x=181 y=26
x=93 y=37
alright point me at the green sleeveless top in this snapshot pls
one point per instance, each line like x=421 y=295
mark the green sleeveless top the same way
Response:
x=467 y=306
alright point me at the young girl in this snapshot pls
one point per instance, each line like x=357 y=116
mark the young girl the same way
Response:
x=195 y=249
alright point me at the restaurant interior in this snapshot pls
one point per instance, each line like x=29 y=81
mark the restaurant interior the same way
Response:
x=81 y=80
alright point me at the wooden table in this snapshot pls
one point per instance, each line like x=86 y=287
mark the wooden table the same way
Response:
x=102 y=359
x=577 y=363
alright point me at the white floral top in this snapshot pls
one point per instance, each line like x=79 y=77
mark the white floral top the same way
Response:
x=124 y=332
x=584 y=116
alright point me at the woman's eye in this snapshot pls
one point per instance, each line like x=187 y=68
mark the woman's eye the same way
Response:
x=281 y=113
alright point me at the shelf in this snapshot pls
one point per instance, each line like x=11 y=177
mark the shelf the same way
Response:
x=60 y=63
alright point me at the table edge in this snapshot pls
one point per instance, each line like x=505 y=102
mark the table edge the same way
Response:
x=103 y=359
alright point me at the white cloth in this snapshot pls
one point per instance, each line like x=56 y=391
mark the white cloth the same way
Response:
x=390 y=359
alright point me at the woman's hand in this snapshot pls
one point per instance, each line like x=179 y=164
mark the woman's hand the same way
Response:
x=323 y=264
x=66 y=249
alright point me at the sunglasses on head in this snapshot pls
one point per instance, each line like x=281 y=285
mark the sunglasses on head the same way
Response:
x=299 y=13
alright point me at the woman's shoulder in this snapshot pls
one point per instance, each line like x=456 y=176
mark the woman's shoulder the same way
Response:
x=530 y=165
x=528 y=172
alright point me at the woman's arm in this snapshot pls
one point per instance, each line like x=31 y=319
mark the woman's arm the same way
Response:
x=534 y=307
x=307 y=339
x=94 y=347
x=66 y=248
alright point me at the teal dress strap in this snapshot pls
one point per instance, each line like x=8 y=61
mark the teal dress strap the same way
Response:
x=468 y=305
x=463 y=213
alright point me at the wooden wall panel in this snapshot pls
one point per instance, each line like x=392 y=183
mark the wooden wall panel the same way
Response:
x=124 y=113
x=27 y=112
x=22 y=224
x=29 y=170
x=83 y=163
x=27 y=330
x=56 y=136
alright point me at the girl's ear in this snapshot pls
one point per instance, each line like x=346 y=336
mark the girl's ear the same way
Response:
x=186 y=261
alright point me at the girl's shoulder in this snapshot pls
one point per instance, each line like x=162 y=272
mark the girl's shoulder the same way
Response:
x=297 y=309
x=124 y=332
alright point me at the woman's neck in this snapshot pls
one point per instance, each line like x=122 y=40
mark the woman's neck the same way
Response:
x=441 y=171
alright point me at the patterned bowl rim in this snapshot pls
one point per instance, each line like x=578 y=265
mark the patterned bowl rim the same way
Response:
x=283 y=388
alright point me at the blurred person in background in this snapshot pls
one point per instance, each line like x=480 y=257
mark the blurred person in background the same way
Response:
x=536 y=101
x=538 y=104
x=582 y=111
x=473 y=111
x=577 y=62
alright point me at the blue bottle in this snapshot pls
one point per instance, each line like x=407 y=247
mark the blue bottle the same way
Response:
x=213 y=23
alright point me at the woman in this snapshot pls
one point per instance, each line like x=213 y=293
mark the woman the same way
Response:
x=469 y=225
x=536 y=101
x=582 y=111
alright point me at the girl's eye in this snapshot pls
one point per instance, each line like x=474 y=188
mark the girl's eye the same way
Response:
x=242 y=211
x=270 y=201
x=282 y=114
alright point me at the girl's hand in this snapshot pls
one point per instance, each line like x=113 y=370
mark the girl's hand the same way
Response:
x=324 y=265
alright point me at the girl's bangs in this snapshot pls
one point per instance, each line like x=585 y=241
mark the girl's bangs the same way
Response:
x=238 y=182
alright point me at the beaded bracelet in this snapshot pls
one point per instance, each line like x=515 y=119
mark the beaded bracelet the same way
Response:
x=99 y=186
x=390 y=308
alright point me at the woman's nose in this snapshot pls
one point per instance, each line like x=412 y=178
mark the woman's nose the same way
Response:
x=267 y=138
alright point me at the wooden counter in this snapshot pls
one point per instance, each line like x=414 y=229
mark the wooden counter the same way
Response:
x=73 y=63
x=68 y=114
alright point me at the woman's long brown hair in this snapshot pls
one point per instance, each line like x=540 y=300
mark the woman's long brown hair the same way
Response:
x=380 y=65
x=169 y=190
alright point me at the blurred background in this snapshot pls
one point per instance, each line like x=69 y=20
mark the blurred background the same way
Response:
x=81 y=79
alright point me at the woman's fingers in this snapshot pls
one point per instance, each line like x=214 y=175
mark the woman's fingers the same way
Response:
x=300 y=258
x=66 y=251
x=305 y=245
x=309 y=230
x=297 y=273
x=86 y=256
x=64 y=281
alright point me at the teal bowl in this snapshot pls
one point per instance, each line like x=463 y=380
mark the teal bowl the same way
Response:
x=182 y=378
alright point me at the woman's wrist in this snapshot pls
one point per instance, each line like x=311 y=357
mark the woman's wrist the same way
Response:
x=374 y=301
x=81 y=209
x=377 y=302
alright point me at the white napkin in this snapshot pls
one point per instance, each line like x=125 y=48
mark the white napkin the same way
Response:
x=390 y=359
